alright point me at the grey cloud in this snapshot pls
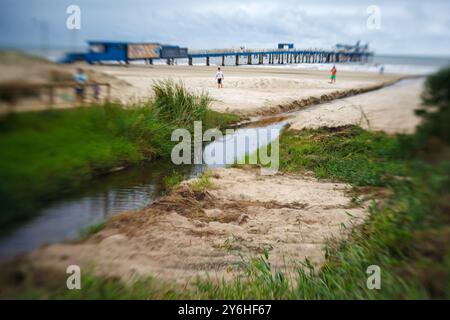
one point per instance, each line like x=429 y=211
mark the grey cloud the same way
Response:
x=408 y=27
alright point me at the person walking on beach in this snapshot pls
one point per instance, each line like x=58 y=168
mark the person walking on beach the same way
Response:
x=219 y=77
x=80 y=79
x=333 y=74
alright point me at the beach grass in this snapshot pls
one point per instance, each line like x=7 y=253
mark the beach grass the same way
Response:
x=349 y=154
x=175 y=104
x=172 y=180
x=203 y=182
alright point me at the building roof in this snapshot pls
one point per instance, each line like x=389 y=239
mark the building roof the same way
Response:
x=96 y=42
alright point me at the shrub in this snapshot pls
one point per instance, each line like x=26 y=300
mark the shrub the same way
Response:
x=434 y=130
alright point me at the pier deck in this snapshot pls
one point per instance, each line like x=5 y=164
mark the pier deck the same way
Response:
x=282 y=56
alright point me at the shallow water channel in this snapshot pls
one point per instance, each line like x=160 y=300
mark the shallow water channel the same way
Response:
x=130 y=189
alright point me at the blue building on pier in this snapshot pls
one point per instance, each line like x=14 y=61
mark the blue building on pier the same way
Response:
x=106 y=51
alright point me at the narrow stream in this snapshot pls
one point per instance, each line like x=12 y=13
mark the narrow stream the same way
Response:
x=131 y=189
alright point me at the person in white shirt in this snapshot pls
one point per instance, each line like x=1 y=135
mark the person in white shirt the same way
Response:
x=219 y=77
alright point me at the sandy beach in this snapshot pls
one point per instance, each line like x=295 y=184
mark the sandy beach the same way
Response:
x=247 y=90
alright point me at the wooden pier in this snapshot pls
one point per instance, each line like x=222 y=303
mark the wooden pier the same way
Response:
x=290 y=56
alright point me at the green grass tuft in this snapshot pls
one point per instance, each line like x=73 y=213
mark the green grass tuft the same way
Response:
x=203 y=182
x=173 y=180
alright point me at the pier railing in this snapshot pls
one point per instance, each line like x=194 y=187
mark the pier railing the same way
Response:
x=281 y=56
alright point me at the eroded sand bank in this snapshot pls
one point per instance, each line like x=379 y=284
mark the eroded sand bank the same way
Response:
x=188 y=233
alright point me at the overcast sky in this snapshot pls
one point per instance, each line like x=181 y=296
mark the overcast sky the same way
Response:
x=407 y=27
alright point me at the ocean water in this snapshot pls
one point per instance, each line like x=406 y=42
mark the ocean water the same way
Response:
x=392 y=63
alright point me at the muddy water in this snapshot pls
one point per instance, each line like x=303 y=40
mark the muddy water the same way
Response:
x=130 y=189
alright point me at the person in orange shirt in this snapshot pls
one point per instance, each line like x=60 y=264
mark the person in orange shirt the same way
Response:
x=333 y=74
